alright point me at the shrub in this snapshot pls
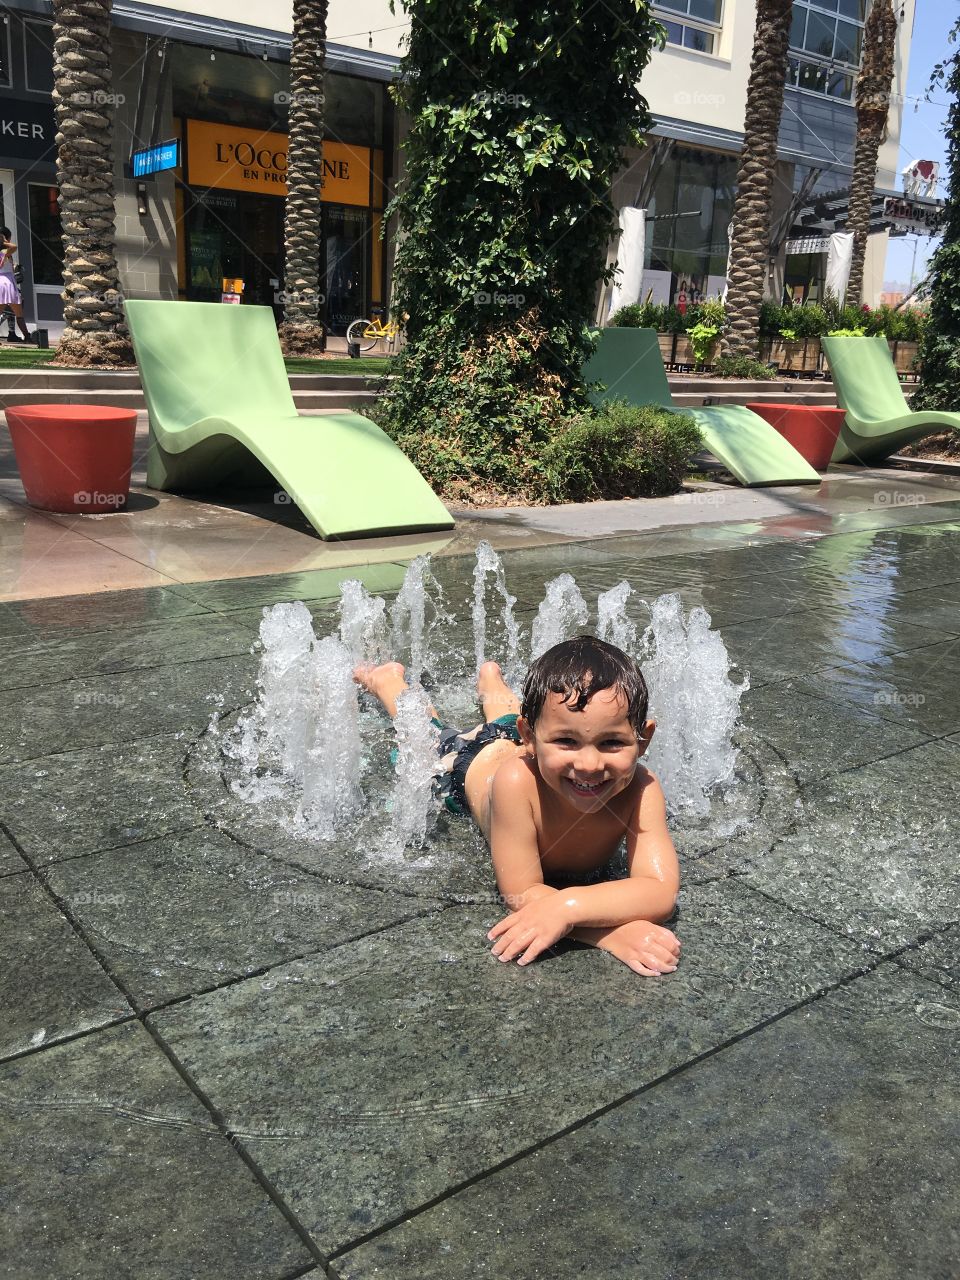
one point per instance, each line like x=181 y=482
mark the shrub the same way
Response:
x=702 y=338
x=710 y=312
x=620 y=451
x=742 y=367
x=650 y=315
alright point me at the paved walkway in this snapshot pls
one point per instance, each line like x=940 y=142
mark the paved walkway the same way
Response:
x=227 y=1052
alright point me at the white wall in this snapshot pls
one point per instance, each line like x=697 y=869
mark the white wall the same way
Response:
x=349 y=22
x=708 y=89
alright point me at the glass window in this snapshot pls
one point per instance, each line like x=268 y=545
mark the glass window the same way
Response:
x=38 y=56
x=826 y=41
x=5 y=51
x=701 y=29
x=46 y=242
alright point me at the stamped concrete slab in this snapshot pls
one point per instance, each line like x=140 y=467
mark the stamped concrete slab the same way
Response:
x=872 y=855
x=111 y=1167
x=109 y=709
x=773 y=649
x=370 y=1079
x=827 y=1144
x=131 y=648
x=816 y=737
x=187 y=913
x=102 y=611
x=50 y=984
x=77 y=802
x=313 y=584
x=915 y=689
x=10 y=860
x=937 y=960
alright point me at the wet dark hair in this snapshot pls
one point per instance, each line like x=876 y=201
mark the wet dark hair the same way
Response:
x=578 y=669
x=5 y=232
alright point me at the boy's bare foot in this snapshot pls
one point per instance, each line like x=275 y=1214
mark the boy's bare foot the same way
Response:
x=496 y=698
x=386 y=682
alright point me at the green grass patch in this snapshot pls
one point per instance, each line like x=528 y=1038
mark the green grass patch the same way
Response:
x=365 y=366
x=25 y=357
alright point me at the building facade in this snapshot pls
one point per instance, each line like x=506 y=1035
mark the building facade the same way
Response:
x=214 y=75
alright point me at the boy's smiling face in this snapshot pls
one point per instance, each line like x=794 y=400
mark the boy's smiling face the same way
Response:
x=586 y=756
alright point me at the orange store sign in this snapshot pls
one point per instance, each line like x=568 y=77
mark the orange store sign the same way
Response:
x=234 y=159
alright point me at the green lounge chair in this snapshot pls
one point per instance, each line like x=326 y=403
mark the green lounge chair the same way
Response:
x=879 y=421
x=221 y=412
x=629 y=365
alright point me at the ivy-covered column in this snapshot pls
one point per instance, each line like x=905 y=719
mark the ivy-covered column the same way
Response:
x=519 y=117
x=940 y=346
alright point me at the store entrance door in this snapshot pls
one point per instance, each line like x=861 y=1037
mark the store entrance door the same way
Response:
x=235 y=236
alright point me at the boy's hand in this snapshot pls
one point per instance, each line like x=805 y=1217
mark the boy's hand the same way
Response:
x=644 y=947
x=532 y=929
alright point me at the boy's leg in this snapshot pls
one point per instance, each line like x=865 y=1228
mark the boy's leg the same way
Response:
x=385 y=682
x=496 y=698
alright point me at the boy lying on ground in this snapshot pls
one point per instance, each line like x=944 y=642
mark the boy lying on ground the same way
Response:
x=555 y=783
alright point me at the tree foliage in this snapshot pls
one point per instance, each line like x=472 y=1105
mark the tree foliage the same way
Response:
x=940 y=347
x=519 y=115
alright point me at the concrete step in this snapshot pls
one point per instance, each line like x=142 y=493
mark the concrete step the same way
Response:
x=317 y=401
x=695 y=399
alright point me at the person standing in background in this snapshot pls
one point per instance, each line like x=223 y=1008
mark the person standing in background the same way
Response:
x=10 y=299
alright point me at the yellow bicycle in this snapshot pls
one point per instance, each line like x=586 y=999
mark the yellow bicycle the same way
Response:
x=367 y=333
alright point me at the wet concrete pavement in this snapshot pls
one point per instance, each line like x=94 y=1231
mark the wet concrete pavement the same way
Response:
x=227 y=1052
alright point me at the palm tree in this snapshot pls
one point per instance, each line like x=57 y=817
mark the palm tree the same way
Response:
x=750 y=238
x=301 y=332
x=873 y=107
x=84 y=106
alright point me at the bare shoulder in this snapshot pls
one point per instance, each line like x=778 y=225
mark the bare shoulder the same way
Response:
x=514 y=781
x=649 y=804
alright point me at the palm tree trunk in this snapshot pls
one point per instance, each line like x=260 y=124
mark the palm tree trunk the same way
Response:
x=750 y=242
x=84 y=106
x=301 y=332
x=873 y=106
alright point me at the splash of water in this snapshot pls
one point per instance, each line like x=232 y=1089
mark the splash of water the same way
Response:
x=363 y=622
x=330 y=768
x=489 y=563
x=694 y=702
x=416 y=615
x=411 y=805
x=613 y=624
x=562 y=612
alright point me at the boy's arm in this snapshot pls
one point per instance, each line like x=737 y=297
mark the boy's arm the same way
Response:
x=650 y=892
x=513 y=837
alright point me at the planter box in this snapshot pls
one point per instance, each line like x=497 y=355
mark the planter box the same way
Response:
x=904 y=355
x=796 y=357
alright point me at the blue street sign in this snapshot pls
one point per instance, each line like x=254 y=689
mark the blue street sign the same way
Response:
x=166 y=155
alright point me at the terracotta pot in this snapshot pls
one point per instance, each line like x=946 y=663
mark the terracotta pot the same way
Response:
x=73 y=457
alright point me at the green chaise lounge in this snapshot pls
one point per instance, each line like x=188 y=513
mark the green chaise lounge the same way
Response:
x=221 y=412
x=629 y=365
x=878 y=421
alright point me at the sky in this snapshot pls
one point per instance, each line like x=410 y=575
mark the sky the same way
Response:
x=922 y=136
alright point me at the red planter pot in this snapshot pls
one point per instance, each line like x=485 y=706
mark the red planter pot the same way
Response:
x=812 y=429
x=73 y=457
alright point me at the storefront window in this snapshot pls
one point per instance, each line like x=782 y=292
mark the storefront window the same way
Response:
x=5 y=51
x=38 y=56
x=687 y=220
x=46 y=243
x=698 y=28
x=826 y=41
